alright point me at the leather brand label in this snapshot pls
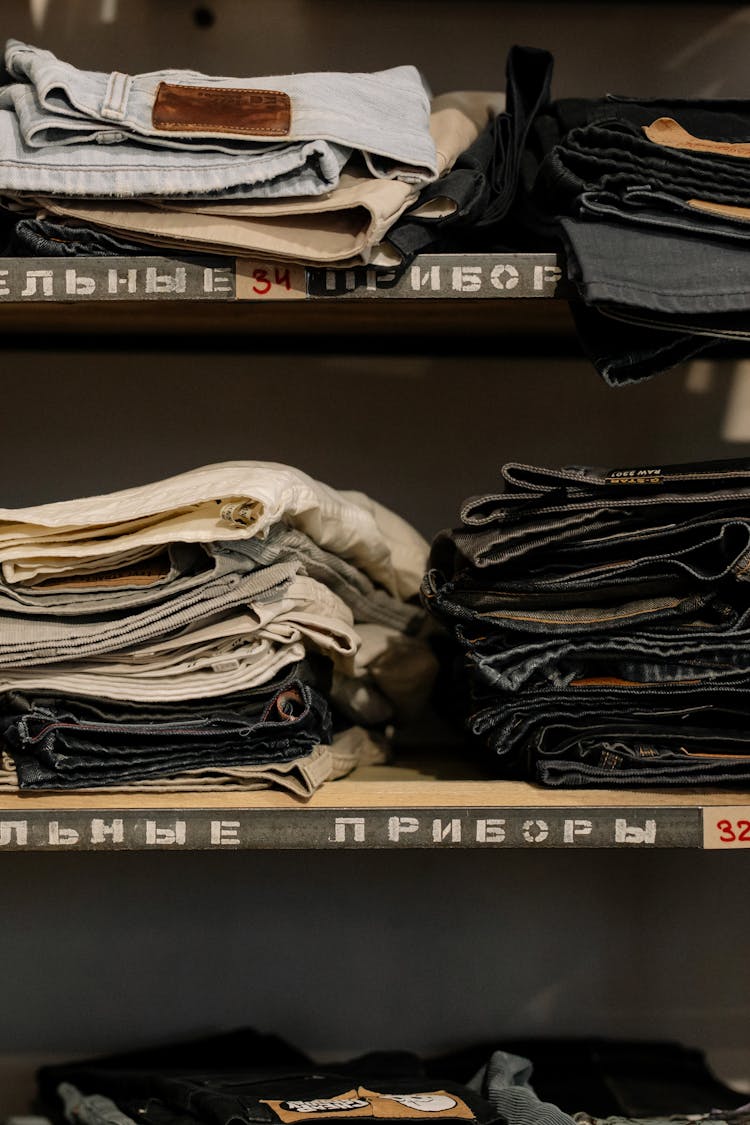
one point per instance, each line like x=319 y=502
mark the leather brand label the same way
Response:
x=366 y=1103
x=208 y=109
x=669 y=133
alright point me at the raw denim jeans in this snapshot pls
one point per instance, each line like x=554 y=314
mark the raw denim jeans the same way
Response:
x=603 y=617
x=594 y=164
x=64 y=747
x=45 y=238
x=608 y=732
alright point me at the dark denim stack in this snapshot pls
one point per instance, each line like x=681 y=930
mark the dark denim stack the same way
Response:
x=654 y=235
x=604 y=619
x=650 y=198
x=64 y=742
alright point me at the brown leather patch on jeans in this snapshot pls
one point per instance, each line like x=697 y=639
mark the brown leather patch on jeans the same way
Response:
x=193 y=109
x=669 y=133
x=728 y=210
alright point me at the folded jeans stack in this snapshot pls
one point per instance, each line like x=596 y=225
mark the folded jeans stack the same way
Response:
x=651 y=201
x=604 y=618
x=310 y=168
x=192 y=632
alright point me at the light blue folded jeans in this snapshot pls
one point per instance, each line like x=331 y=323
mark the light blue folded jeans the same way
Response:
x=184 y=134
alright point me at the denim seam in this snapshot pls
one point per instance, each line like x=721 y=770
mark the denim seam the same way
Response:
x=584 y=621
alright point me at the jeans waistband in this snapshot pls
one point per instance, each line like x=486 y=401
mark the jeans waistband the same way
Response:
x=384 y=114
x=677 y=480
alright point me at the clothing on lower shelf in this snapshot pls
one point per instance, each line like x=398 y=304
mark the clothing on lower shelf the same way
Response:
x=62 y=744
x=246 y=1076
x=256 y=1078
x=302 y=776
x=603 y=619
x=232 y=626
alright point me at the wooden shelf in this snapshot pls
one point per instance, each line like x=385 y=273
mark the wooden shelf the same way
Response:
x=515 y=296
x=519 y=319
x=398 y=806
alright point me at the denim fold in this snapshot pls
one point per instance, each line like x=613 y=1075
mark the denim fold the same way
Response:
x=602 y=618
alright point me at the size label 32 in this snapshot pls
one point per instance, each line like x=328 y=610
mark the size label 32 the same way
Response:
x=726 y=826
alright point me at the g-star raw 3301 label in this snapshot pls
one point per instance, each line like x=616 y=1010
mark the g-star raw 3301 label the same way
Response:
x=634 y=476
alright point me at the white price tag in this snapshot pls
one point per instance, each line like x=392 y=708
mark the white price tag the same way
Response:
x=726 y=826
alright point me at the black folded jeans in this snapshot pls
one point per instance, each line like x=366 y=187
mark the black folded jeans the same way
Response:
x=608 y=733
x=292 y=1099
x=247 y=1078
x=477 y=194
x=67 y=743
x=668 y=531
x=603 y=617
x=50 y=238
x=635 y=234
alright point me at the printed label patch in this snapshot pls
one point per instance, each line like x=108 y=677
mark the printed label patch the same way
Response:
x=208 y=109
x=241 y=513
x=368 y=1103
x=634 y=476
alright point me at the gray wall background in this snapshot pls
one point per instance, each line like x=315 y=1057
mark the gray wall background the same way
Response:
x=345 y=952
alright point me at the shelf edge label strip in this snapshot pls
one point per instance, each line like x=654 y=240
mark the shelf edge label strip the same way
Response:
x=338 y=829
x=201 y=278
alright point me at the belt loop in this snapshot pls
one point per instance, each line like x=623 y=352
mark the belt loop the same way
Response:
x=116 y=96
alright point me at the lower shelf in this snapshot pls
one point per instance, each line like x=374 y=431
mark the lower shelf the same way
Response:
x=398 y=806
x=519 y=319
